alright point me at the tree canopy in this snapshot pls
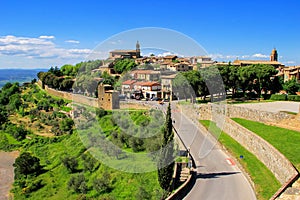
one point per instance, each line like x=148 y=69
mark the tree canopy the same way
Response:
x=124 y=65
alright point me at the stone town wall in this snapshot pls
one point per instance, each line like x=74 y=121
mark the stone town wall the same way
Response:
x=72 y=97
x=280 y=166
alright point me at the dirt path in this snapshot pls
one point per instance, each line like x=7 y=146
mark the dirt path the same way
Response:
x=6 y=172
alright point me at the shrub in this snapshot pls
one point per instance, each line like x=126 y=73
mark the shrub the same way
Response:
x=70 y=163
x=27 y=164
x=78 y=184
x=293 y=97
x=278 y=97
x=102 y=184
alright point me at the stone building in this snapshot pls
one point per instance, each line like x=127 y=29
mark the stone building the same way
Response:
x=291 y=72
x=108 y=98
x=166 y=86
x=126 y=53
x=146 y=75
x=273 y=61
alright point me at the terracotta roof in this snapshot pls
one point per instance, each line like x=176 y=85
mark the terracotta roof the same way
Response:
x=291 y=68
x=172 y=76
x=149 y=83
x=141 y=71
x=170 y=56
x=256 y=62
x=128 y=82
x=122 y=51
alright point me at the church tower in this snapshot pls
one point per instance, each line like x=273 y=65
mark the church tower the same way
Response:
x=274 y=55
x=138 y=49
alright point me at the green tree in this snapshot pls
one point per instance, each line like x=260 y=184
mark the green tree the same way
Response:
x=66 y=125
x=124 y=65
x=291 y=86
x=89 y=163
x=166 y=158
x=70 y=163
x=3 y=115
x=27 y=164
x=4 y=143
x=18 y=132
x=15 y=101
x=78 y=184
x=108 y=79
x=103 y=184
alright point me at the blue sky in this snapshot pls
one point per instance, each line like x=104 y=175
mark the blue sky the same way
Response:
x=40 y=34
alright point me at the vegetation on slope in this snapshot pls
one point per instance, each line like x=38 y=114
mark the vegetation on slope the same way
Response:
x=63 y=166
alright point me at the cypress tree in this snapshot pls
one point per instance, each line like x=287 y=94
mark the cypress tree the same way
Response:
x=166 y=158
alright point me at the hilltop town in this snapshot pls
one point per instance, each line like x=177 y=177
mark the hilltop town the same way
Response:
x=128 y=75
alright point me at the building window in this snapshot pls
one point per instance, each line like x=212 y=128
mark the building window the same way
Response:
x=102 y=99
x=108 y=99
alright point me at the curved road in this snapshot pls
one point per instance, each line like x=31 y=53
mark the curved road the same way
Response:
x=217 y=175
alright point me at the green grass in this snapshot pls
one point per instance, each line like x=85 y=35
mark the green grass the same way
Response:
x=265 y=182
x=249 y=101
x=286 y=141
x=55 y=179
x=66 y=109
x=288 y=112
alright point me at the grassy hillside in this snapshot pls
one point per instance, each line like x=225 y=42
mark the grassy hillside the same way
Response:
x=32 y=122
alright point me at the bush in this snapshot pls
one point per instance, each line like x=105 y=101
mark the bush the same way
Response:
x=102 y=184
x=27 y=164
x=266 y=96
x=70 y=163
x=78 y=184
x=293 y=97
x=278 y=97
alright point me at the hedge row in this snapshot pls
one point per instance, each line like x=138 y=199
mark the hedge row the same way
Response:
x=283 y=97
x=278 y=97
x=293 y=97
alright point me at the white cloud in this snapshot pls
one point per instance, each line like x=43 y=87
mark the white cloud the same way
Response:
x=38 y=48
x=259 y=55
x=116 y=42
x=72 y=41
x=221 y=56
x=46 y=37
x=290 y=62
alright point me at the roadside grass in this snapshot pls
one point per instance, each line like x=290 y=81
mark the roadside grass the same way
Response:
x=289 y=112
x=265 y=182
x=248 y=101
x=286 y=141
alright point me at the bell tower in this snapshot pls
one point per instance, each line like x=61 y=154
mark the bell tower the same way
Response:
x=138 y=49
x=274 y=55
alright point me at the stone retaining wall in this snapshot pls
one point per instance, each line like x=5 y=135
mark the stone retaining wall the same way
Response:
x=204 y=112
x=277 y=163
x=266 y=153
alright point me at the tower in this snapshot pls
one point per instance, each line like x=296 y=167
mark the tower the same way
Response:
x=138 y=50
x=274 y=55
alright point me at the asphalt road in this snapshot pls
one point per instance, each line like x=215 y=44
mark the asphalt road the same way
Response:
x=218 y=177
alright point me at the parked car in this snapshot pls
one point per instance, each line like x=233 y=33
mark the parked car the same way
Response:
x=156 y=99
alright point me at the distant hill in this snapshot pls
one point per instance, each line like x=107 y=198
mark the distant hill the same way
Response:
x=18 y=75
